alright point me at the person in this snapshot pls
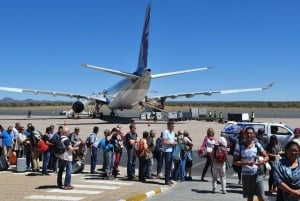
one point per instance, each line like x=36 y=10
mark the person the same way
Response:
x=130 y=139
x=65 y=161
x=102 y=145
x=27 y=147
x=209 y=114
x=215 y=115
x=53 y=137
x=207 y=146
x=297 y=134
x=94 y=142
x=252 y=117
x=46 y=154
x=260 y=137
x=274 y=150
x=251 y=155
x=117 y=144
x=168 y=142
x=14 y=134
x=221 y=118
x=287 y=173
x=189 y=160
x=158 y=155
x=239 y=139
x=107 y=146
x=29 y=114
x=20 y=142
x=76 y=141
x=6 y=141
x=143 y=146
x=118 y=155
x=34 y=136
x=219 y=166
x=74 y=137
x=151 y=147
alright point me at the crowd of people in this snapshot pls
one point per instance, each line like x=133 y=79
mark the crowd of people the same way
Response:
x=147 y=148
x=171 y=150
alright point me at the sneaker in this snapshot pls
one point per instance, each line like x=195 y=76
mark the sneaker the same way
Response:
x=68 y=187
x=213 y=190
x=160 y=176
x=224 y=191
x=173 y=182
x=169 y=184
x=60 y=186
x=204 y=180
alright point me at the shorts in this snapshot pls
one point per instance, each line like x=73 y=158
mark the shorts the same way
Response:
x=188 y=164
x=253 y=185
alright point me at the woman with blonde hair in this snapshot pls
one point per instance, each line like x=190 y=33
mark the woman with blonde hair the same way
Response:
x=206 y=147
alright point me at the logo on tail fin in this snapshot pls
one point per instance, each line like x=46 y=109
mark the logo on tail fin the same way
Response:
x=142 y=63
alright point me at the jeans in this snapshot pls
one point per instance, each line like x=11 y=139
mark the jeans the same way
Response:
x=176 y=170
x=142 y=168
x=182 y=166
x=159 y=158
x=94 y=159
x=109 y=162
x=150 y=163
x=131 y=163
x=168 y=164
x=46 y=157
x=62 y=164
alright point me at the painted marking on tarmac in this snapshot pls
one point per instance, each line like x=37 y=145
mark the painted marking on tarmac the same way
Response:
x=109 y=182
x=96 y=186
x=54 y=197
x=75 y=191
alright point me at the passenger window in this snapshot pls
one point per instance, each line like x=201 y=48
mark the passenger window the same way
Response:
x=282 y=131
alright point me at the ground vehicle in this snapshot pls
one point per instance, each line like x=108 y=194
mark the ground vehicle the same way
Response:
x=283 y=132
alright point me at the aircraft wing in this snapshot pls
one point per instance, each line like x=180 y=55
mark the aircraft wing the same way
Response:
x=209 y=93
x=179 y=72
x=112 y=71
x=100 y=97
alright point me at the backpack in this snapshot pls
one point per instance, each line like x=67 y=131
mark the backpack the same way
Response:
x=36 y=137
x=59 y=148
x=42 y=146
x=88 y=141
x=182 y=144
x=220 y=154
x=238 y=168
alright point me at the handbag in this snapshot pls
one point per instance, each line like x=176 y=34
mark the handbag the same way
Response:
x=148 y=154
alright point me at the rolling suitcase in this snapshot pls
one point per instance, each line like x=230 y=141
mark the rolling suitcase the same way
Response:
x=3 y=163
x=21 y=165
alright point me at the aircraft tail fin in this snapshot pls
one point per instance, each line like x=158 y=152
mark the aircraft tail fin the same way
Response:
x=143 y=55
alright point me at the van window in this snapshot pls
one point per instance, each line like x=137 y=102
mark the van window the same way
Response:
x=280 y=130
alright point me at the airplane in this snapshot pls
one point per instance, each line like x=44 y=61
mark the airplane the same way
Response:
x=133 y=88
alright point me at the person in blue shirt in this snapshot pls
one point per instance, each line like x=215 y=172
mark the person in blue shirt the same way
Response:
x=287 y=173
x=6 y=141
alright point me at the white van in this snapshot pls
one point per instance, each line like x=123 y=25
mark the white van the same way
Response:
x=283 y=132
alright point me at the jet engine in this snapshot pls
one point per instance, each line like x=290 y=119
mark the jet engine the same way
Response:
x=78 y=107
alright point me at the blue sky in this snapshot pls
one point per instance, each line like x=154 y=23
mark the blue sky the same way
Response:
x=249 y=43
